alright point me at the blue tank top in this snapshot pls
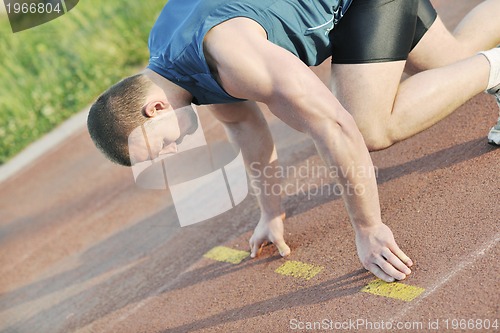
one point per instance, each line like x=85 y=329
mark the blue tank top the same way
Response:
x=176 y=39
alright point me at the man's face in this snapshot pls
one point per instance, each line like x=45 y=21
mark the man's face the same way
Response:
x=161 y=134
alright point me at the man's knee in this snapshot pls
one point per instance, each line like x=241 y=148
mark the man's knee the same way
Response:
x=377 y=136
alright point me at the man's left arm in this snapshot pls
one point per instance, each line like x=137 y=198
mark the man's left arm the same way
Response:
x=253 y=68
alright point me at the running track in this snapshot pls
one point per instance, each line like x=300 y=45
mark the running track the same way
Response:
x=83 y=249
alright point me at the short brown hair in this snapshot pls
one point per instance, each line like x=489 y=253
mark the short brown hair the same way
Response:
x=115 y=114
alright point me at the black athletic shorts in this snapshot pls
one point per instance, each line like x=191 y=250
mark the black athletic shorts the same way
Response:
x=380 y=30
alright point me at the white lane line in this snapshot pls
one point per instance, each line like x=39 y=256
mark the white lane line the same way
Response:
x=478 y=254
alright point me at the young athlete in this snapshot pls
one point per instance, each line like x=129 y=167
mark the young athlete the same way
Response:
x=236 y=53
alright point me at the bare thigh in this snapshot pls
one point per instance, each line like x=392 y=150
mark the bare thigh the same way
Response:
x=438 y=48
x=478 y=30
x=368 y=92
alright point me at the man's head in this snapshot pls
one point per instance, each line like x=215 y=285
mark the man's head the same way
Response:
x=133 y=121
x=115 y=114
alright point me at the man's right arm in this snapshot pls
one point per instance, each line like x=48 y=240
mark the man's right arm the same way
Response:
x=247 y=128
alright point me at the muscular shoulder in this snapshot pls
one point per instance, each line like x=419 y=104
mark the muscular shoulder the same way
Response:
x=251 y=67
x=223 y=41
x=232 y=50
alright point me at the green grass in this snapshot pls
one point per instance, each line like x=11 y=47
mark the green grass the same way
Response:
x=52 y=71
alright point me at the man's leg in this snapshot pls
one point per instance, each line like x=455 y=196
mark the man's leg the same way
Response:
x=479 y=30
x=387 y=111
x=246 y=127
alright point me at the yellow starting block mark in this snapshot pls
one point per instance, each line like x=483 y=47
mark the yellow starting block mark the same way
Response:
x=226 y=254
x=395 y=290
x=299 y=269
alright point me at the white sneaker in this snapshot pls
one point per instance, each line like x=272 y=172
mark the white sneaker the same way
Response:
x=494 y=135
x=493 y=57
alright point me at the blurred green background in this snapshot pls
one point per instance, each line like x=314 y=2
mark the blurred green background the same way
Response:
x=53 y=71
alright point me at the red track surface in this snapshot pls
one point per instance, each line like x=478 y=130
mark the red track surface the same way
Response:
x=83 y=249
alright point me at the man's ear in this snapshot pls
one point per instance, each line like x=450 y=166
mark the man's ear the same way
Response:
x=152 y=108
